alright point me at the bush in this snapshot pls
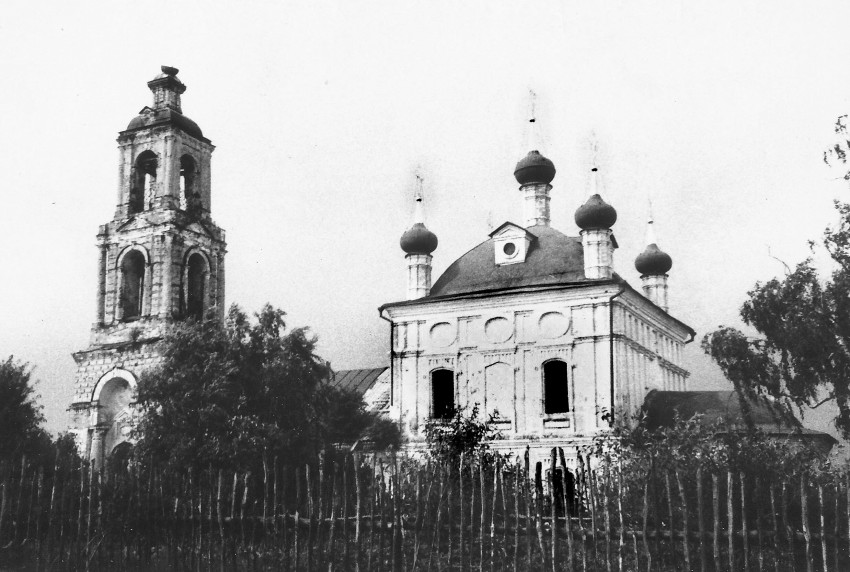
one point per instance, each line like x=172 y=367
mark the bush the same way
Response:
x=463 y=434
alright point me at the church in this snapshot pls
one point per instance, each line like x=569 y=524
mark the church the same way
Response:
x=160 y=259
x=532 y=326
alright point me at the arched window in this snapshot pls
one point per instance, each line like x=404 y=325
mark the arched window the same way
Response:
x=132 y=284
x=114 y=398
x=190 y=198
x=442 y=394
x=119 y=459
x=556 y=394
x=195 y=289
x=144 y=176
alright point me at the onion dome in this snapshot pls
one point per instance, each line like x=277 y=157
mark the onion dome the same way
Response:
x=653 y=261
x=534 y=168
x=418 y=240
x=595 y=214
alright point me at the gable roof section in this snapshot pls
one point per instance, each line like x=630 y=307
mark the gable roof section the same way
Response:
x=358 y=380
x=507 y=226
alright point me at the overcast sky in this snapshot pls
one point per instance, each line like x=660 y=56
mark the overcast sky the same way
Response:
x=322 y=113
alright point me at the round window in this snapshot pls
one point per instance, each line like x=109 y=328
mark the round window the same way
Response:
x=509 y=249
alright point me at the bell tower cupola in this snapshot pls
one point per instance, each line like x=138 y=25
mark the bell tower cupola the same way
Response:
x=164 y=156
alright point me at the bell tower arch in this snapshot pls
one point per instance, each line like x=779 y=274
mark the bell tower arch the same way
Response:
x=160 y=258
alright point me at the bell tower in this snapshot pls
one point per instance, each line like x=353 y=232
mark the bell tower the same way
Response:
x=160 y=260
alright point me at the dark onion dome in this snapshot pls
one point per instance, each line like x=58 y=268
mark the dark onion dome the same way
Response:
x=418 y=240
x=595 y=214
x=653 y=261
x=534 y=168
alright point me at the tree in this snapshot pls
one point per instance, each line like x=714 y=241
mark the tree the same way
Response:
x=802 y=355
x=20 y=415
x=227 y=395
x=347 y=420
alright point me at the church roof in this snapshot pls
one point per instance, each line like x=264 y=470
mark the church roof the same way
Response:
x=553 y=259
x=358 y=380
x=661 y=408
x=154 y=117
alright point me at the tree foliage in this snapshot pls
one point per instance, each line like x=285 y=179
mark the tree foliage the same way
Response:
x=20 y=415
x=225 y=396
x=802 y=355
x=21 y=419
x=465 y=433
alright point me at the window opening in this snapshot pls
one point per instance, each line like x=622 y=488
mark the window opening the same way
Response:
x=144 y=177
x=443 y=393
x=190 y=198
x=133 y=284
x=555 y=387
x=196 y=286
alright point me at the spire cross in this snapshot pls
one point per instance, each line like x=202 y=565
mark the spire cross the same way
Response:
x=418 y=197
x=650 y=227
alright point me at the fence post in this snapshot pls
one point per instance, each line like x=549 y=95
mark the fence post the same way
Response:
x=669 y=491
x=397 y=530
x=789 y=533
x=346 y=563
x=685 y=523
x=358 y=516
x=567 y=516
x=493 y=515
x=297 y=526
x=758 y=504
x=715 y=506
x=835 y=529
x=584 y=495
x=591 y=481
x=701 y=519
x=517 y=483
x=644 y=520
x=372 y=493
x=553 y=506
x=526 y=489
x=730 y=522
x=744 y=528
x=775 y=522
x=334 y=483
x=607 y=515
x=483 y=490
x=807 y=534
x=822 y=530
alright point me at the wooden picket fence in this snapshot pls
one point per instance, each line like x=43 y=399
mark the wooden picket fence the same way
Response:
x=392 y=512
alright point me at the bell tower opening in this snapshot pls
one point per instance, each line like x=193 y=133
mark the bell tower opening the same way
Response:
x=144 y=177
x=195 y=292
x=190 y=196
x=132 y=285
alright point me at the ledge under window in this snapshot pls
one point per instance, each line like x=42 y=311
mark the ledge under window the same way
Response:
x=557 y=420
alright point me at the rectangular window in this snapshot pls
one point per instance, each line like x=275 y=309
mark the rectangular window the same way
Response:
x=556 y=394
x=443 y=394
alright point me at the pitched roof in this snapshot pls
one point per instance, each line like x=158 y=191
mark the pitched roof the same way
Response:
x=359 y=380
x=661 y=408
